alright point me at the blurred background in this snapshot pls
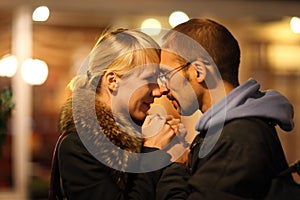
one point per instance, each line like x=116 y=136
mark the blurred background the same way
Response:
x=43 y=43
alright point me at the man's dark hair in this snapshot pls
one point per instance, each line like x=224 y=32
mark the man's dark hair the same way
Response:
x=218 y=42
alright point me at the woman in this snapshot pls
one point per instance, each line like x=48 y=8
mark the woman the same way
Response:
x=100 y=124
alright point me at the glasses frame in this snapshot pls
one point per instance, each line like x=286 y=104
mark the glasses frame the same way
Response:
x=164 y=78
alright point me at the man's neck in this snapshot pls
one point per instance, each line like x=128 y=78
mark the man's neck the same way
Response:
x=213 y=96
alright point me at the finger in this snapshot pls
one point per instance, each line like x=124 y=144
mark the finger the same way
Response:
x=169 y=127
x=174 y=126
x=170 y=132
x=171 y=117
x=173 y=121
x=147 y=120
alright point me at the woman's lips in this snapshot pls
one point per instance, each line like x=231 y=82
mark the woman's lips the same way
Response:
x=146 y=106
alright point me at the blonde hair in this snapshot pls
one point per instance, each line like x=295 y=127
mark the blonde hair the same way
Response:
x=119 y=51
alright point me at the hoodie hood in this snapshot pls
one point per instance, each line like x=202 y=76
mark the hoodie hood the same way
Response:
x=248 y=101
x=244 y=101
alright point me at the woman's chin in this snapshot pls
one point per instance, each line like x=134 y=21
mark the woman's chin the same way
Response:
x=139 y=118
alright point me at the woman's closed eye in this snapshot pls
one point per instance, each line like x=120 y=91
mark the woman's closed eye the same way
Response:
x=151 y=79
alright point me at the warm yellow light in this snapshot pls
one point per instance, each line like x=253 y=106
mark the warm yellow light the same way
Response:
x=34 y=71
x=295 y=24
x=151 y=26
x=284 y=58
x=8 y=65
x=177 y=17
x=41 y=14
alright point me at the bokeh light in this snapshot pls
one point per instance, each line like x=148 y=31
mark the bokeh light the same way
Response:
x=41 y=14
x=34 y=71
x=177 y=17
x=151 y=26
x=8 y=65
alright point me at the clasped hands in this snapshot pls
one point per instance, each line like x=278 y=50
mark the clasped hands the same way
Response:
x=166 y=133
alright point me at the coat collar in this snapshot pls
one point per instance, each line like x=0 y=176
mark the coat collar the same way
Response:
x=110 y=139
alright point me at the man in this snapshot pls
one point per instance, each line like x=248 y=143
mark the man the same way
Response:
x=237 y=151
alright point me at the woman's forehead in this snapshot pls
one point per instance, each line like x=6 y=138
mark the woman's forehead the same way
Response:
x=150 y=69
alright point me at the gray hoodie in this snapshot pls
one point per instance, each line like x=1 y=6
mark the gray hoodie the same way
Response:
x=244 y=101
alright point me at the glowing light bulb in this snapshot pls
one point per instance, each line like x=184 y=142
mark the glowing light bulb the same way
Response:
x=34 y=71
x=177 y=17
x=295 y=24
x=151 y=26
x=41 y=14
x=8 y=65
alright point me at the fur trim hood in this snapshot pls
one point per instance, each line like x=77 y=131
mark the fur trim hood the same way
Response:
x=113 y=140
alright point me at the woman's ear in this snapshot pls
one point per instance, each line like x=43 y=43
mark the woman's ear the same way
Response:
x=200 y=69
x=111 y=79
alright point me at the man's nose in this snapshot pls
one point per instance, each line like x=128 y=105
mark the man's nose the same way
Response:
x=164 y=89
x=158 y=91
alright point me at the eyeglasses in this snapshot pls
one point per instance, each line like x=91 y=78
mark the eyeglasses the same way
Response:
x=164 y=78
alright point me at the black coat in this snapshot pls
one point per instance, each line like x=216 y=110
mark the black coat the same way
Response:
x=241 y=165
x=84 y=177
x=79 y=174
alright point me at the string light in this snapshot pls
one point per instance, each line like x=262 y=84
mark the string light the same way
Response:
x=295 y=24
x=41 y=14
x=34 y=71
x=177 y=17
x=8 y=65
x=151 y=26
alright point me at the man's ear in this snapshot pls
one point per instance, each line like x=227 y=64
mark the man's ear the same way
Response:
x=201 y=71
x=111 y=79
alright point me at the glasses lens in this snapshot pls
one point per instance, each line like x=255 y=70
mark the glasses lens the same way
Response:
x=161 y=80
